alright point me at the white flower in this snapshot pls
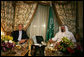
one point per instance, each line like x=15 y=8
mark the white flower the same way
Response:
x=6 y=41
x=51 y=45
x=10 y=41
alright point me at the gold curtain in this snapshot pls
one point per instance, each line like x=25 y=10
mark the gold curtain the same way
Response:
x=7 y=14
x=24 y=13
x=67 y=15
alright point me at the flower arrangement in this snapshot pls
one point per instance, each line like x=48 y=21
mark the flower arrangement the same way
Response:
x=6 y=37
x=68 y=47
x=7 y=42
x=65 y=45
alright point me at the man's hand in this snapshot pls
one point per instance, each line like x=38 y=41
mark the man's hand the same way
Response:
x=22 y=41
x=50 y=40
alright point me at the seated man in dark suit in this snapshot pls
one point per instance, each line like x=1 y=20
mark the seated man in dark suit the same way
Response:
x=20 y=35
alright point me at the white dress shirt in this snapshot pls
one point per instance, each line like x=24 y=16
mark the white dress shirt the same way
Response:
x=20 y=36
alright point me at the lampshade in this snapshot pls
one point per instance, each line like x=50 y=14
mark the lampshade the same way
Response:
x=2 y=32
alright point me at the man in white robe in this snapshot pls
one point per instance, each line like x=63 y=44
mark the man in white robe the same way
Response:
x=63 y=32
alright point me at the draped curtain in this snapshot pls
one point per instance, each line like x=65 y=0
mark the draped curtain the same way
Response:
x=67 y=15
x=24 y=13
x=7 y=15
x=39 y=24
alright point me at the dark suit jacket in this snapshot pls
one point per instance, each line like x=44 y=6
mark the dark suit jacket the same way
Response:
x=15 y=35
